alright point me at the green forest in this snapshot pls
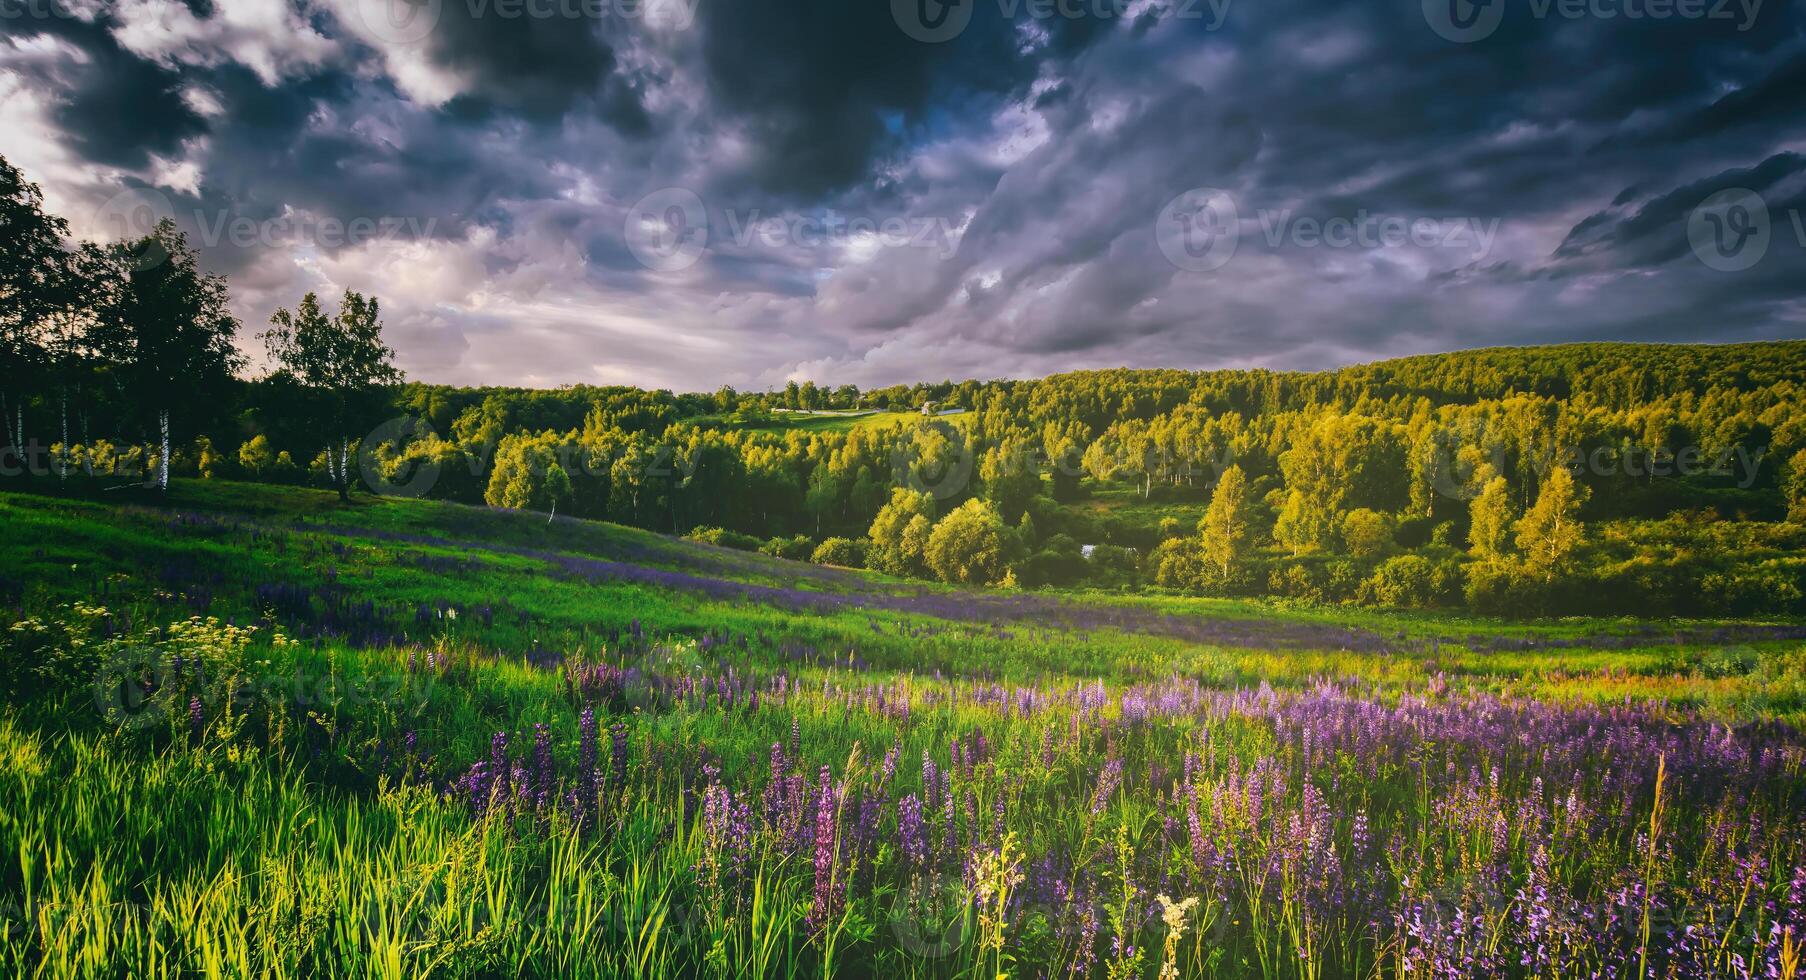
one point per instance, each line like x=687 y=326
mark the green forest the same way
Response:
x=1597 y=478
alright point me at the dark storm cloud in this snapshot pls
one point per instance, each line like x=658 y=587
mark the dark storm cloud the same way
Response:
x=538 y=66
x=816 y=83
x=1047 y=145
x=334 y=147
x=1656 y=231
x=112 y=107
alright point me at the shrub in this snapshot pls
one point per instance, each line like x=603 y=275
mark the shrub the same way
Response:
x=1059 y=562
x=844 y=552
x=798 y=548
x=1743 y=590
x=1297 y=580
x=1728 y=662
x=970 y=544
x=256 y=457
x=1366 y=533
x=724 y=538
x=1113 y=562
x=1407 y=581
x=1507 y=588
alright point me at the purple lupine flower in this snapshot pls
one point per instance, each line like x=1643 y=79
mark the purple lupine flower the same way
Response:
x=498 y=767
x=587 y=750
x=911 y=831
x=930 y=780
x=828 y=888
x=774 y=787
x=195 y=719
x=617 y=757
x=1086 y=953
x=727 y=829
x=543 y=776
x=1108 y=779
x=889 y=766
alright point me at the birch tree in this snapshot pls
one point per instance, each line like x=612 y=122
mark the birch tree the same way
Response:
x=34 y=269
x=341 y=361
x=169 y=337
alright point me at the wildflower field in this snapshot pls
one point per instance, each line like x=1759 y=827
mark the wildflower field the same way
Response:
x=253 y=731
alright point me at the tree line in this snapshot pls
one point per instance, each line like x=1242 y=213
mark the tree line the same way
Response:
x=1511 y=480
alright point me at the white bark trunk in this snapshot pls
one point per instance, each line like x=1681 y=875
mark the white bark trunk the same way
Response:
x=62 y=459
x=163 y=460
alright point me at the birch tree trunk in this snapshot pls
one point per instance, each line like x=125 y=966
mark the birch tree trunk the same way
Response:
x=62 y=459
x=15 y=425
x=163 y=460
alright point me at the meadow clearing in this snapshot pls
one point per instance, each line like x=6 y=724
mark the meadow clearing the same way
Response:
x=250 y=730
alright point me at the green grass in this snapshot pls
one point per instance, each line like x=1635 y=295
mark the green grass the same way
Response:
x=301 y=828
x=828 y=420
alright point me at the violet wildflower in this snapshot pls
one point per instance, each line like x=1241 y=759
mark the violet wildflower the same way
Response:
x=826 y=904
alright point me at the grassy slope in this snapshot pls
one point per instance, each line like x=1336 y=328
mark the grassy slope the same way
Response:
x=292 y=857
x=783 y=422
x=380 y=572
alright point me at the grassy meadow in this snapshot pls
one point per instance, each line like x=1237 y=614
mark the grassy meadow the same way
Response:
x=250 y=730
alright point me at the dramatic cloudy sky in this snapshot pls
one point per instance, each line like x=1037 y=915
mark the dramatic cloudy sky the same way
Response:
x=686 y=193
